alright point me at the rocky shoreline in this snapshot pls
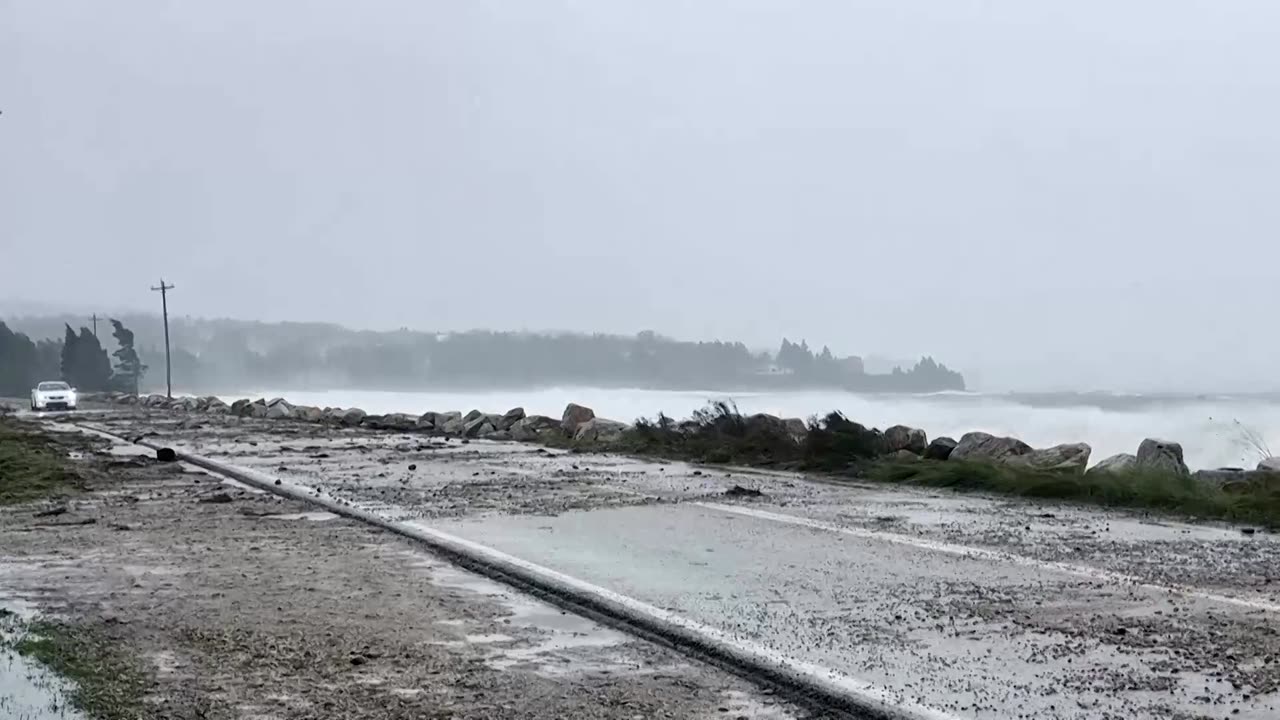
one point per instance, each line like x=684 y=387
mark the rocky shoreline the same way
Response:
x=579 y=426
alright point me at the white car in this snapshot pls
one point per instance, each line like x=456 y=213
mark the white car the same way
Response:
x=53 y=395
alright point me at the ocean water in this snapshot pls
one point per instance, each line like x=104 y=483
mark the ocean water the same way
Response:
x=1212 y=430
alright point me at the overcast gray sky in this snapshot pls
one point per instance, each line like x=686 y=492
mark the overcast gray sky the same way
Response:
x=1045 y=194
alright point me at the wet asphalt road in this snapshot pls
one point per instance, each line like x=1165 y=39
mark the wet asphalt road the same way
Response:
x=976 y=607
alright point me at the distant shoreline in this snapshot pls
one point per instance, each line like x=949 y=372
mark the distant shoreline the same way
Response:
x=1107 y=401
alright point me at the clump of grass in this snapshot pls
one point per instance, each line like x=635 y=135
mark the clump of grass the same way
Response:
x=1255 y=501
x=835 y=443
x=32 y=465
x=717 y=433
x=1251 y=442
x=105 y=684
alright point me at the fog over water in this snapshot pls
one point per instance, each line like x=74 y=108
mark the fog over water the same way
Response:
x=1206 y=428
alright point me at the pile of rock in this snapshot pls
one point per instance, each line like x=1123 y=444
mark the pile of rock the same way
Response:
x=1267 y=472
x=185 y=403
x=906 y=442
x=1153 y=454
x=578 y=422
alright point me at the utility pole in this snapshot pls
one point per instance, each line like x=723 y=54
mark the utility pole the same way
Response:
x=95 y=324
x=168 y=366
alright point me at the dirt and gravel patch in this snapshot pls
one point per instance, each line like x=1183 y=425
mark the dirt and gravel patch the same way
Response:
x=1094 y=633
x=450 y=479
x=227 y=603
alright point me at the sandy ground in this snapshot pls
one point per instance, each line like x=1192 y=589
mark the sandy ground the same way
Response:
x=259 y=608
x=979 y=607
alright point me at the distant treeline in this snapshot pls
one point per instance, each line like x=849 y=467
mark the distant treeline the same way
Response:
x=229 y=355
x=77 y=358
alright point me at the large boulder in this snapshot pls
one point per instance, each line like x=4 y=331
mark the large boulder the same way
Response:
x=940 y=448
x=1271 y=463
x=1122 y=462
x=765 y=424
x=901 y=437
x=427 y=421
x=522 y=432
x=599 y=430
x=352 y=417
x=1224 y=476
x=240 y=407
x=510 y=418
x=473 y=415
x=450 y=423
x=796 y=428
x=984 y=446
x=1161 y=456
x=308 y=413
x=478 y=427
x=399 y=421
x=279 y=410
x=1239 y=480
x=532 y=427
x=1070 y=457
x=574 y=416
x=256 y=409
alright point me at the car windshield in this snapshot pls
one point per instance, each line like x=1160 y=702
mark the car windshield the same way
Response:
x=53 y=386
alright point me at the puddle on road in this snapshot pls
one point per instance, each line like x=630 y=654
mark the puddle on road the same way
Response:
x=121 y=449
x=565 y=643
x=318 y=516
x=738 y=704
x=27 y=690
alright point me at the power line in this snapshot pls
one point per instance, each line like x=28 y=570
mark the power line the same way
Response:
x=168 y=366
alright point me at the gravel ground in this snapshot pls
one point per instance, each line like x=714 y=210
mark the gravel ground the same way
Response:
x=452 y=480
x=236 y=604
x=1057 y=605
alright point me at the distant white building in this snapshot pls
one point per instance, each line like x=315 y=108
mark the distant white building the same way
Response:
x=772 y=369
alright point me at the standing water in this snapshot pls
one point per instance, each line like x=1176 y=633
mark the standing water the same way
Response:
x=28 y=691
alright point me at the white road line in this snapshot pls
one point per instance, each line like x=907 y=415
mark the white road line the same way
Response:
x=993 y=555
x=870 y=692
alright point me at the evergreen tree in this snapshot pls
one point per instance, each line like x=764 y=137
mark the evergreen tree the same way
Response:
x=19 y=363
x=92 y=364
x=84 y=364
x=70 y=355
x=129 y=368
